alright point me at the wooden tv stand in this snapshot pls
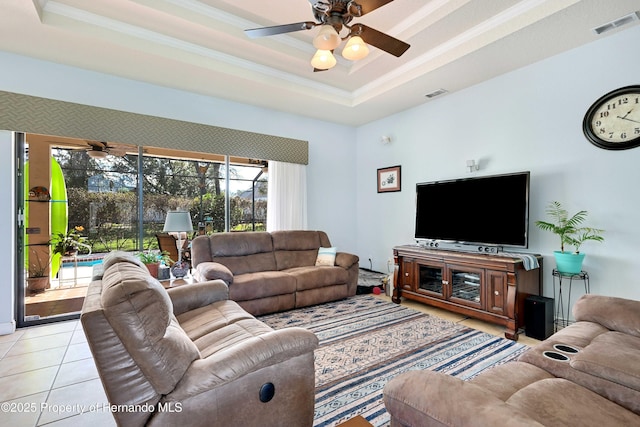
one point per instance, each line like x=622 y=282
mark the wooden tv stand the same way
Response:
x=484 y=286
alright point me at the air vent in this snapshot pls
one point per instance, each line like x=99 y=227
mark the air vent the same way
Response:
x=436 y=93
x=635 y=16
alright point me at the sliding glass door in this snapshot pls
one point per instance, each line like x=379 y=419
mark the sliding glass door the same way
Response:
x=79 y=205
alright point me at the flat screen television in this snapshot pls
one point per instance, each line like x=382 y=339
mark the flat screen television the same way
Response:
x=488 y=210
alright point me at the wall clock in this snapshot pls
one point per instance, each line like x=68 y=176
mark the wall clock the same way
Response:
x=613 y=121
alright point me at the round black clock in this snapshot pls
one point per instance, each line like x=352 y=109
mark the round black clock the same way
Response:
x=613 y=121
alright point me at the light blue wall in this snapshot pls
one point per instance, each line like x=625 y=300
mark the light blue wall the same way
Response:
x=529 y=119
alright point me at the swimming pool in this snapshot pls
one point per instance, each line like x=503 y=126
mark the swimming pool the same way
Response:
x=88 y=263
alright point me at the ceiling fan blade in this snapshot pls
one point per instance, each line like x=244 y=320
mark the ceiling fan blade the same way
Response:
x=381 y=40
x=366 y=6
x=99 y=145
x=279 y=29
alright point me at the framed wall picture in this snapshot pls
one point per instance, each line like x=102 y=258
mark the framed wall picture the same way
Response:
x=389 y=179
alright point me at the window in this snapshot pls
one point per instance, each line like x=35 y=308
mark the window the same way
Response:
x=103 y=196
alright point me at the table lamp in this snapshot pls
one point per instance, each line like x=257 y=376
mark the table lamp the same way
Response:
x=178 y=222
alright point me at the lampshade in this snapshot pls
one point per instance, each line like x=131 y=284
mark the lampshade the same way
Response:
x=177 y=221
x=355 y=49
x=97 y=154
x=327 y=38
x=323 y=60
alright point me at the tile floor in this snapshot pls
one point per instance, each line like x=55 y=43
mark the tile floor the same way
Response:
x=47 y=377
x=47 y=374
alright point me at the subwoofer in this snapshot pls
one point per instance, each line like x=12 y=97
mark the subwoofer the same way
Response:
x=538 y=317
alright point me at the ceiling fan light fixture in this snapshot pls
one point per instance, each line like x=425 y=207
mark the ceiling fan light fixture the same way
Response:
x=327 y=38
x=323 y=60
x=355 y=49
x=97 y=154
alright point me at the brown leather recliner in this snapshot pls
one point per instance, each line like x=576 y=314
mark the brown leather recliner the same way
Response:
x=191 y=357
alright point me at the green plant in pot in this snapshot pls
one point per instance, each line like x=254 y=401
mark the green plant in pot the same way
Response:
x=152 y=261
x=571 y=233
x=68 y=243
x=38 y=279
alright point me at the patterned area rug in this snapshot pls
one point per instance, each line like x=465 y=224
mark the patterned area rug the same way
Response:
x=365 y=341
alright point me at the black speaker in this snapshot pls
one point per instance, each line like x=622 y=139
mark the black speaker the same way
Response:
x=538 y=317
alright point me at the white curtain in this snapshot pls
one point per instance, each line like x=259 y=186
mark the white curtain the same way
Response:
x=287 y=189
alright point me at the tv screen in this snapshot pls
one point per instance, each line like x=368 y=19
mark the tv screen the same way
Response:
x=489 y=210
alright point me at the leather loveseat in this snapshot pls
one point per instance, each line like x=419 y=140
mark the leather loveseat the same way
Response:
x=587 y=374
x=277 y=271
x=188 y=356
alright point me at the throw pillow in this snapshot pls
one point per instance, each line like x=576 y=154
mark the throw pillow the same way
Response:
x=326 y=256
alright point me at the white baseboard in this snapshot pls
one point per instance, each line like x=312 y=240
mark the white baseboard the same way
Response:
x=7 y=328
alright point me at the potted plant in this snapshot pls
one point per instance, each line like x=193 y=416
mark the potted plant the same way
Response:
x=38 y=274
x=571 y=233
x=68 y=244
x=152 y=261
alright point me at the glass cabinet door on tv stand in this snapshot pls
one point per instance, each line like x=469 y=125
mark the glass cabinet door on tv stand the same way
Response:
x=430 y=280
x=467 y=286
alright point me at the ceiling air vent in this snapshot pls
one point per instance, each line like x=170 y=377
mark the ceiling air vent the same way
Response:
x=635 y=16
x=436 y=93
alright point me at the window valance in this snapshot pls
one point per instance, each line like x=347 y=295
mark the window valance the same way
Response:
x=32 y=114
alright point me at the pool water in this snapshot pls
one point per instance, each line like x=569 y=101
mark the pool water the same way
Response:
x=88 y=263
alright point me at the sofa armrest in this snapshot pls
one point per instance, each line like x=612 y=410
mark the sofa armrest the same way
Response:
x=189 y=297
x=214 y=270
x=616 y=314
x=427 y=398
x=245 y=357
x=346 y=260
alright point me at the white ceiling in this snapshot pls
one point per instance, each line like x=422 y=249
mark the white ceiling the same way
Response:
x=200 y=46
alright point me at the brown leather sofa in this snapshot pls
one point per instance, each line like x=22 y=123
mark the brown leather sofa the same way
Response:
x=188 y=356
x=271 y=272
x=587 y=374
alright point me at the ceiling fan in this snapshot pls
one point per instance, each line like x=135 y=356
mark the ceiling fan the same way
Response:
x=332 y=16
x=101 y=149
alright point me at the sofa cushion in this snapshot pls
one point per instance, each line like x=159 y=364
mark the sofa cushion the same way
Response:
x=297 y=248
x=613 y=356
x=140 y=311
x=239 y=243
x=317 y=277
x=213 y=317
x=238 y=251
x=505 y=380
x=230 y=336
x=616 y=314
x=248 y=263
x=261 y=285
x=559 y=402
x=326 y=256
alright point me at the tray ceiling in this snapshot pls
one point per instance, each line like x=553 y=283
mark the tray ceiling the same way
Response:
x=199 y=46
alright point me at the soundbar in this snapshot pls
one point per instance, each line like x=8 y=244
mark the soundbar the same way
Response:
x=455 y=246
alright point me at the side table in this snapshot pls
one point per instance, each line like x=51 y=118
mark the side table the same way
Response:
x=561 y=316
x=175 y=281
